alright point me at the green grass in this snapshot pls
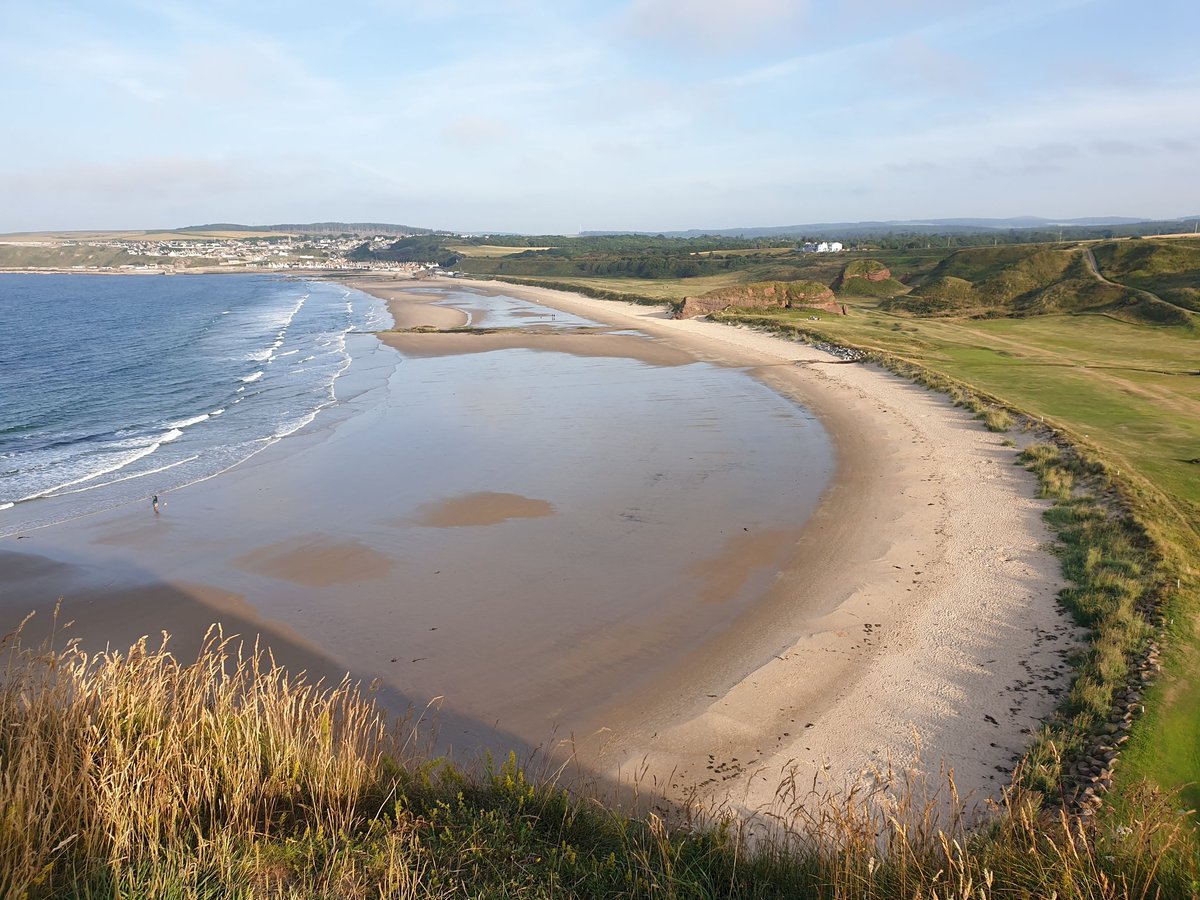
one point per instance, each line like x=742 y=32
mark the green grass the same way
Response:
x=665 y=290
x=489 y=251
x=1125 y=393
x=24 y=256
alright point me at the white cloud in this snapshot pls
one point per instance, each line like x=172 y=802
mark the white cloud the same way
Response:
x=714 y=25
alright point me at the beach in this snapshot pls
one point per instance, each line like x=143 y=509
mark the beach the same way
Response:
x=916 y=626
x=903 y=598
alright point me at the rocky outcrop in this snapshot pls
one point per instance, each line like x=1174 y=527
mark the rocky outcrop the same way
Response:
x=870 y=269
x=763 y=295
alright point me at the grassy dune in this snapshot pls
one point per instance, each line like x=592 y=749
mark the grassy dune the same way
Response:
x=138 y=775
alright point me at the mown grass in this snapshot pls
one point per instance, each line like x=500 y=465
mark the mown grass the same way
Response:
x=490 y=251
x=1127 y=398
x=134 y=774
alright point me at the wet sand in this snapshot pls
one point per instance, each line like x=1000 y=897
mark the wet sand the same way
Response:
x=521 y=576
x=523 y=534
x=408 y=309
x=917 y=624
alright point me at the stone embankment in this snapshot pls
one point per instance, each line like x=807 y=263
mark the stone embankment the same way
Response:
x=1088 y=778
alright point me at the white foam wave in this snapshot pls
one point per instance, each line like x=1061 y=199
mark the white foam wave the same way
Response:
x=126 y=460
x=252 y=377
x=259 y=355
x=7 y=505
x=288 y=353
x=92 y=487
x=185 y=423
x=216 y=412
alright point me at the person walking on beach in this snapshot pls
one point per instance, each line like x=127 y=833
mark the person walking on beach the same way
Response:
x=155 y=502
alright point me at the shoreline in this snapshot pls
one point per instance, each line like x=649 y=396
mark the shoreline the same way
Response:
x=931 y=640
x=917 y=600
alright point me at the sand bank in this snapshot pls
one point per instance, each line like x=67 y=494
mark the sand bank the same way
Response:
x=408 y=309
x=917 y=614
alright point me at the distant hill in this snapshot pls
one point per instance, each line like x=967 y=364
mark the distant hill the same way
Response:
x=317 y=228
x=921 y=226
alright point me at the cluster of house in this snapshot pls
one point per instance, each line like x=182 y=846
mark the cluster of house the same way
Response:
x=276 y=252
x=822 y=247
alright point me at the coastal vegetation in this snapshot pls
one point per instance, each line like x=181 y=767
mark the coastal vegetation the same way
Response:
x=1107 y=277
x=136 y=774
x=1123 y=402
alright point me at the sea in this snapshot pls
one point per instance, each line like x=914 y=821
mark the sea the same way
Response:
x=114 y=388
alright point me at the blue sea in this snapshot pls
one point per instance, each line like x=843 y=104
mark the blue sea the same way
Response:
x=116 y=388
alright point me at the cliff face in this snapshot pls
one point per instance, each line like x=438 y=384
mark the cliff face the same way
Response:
x=765 y=295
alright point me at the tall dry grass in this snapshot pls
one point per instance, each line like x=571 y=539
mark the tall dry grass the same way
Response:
x=121 y=763
x=135 y=774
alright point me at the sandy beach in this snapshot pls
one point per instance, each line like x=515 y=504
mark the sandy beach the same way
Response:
x=915 y=625
x=911 y=602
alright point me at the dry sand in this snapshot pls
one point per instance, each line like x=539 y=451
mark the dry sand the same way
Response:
x=917 y=623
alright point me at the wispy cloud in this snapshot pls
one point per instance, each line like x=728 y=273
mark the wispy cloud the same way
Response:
x=713 y=26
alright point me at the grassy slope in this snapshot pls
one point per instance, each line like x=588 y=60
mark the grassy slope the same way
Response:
x=1168 y=268
x=131 y=775
x=1129 y=391
x=489 y=251
x=18 y=256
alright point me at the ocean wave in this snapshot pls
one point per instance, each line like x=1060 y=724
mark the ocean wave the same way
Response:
x=92 y=487
x=185 y=423
x=259 y=355
x=7 y=505
x=252 y=377
x=126 y=460
x=288 y=353
x=216 y=412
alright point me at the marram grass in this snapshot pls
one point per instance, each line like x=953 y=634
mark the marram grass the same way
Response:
x=137 y=775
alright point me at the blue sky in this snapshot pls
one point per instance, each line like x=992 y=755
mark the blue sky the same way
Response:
x=533 y=116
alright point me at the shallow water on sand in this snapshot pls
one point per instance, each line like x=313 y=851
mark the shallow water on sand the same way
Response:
x=527 y=535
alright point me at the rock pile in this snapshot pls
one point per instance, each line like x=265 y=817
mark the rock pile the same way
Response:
x=1089 y=777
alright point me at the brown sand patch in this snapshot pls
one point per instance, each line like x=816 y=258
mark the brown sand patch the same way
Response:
x=317 y=561
x=483 y=508
x=725 y=574
x=594 y=344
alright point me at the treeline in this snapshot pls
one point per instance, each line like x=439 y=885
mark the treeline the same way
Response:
x=628 y=243
x=648 y=265
x=425 y=248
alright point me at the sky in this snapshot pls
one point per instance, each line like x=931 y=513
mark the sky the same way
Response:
x=555 y=117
